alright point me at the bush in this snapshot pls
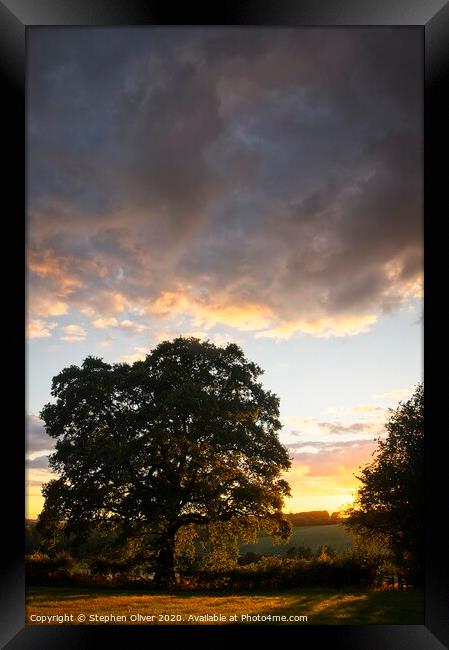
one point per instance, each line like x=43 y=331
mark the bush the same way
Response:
x=109 y=568
x=61 y=570
x=326 y=569
x=274 y=572
x=300 y=552
x=43 y=570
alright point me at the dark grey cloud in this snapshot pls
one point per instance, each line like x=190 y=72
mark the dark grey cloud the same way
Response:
x=357 y=428
x=36 y=437
x=321 y=446
x=354 y=427
x=41 y=462
x=281 y=167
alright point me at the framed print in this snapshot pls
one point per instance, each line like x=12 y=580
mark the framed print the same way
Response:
x=226 y=216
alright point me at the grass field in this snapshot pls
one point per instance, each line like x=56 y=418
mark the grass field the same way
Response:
x=320 y=606
x=333 y=535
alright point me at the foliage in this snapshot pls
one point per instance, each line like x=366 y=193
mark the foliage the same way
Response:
x=273 y=572
x=108 y=568
x=187 y=436
x=42 y=569
x=363 y=566
x=300 y=552
x=390 y=503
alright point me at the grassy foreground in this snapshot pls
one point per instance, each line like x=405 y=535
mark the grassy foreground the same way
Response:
x=320 y=606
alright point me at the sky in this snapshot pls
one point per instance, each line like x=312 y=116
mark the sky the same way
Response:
x=256 y=185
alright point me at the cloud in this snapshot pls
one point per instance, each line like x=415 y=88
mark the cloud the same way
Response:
x=73 y=333
x=261 y=180
x=205 y=314
x=314 y=447
x=132 y=326
x=139 y=354
x=294 y=419
x=39 y=329
x=38 y=442
x=106 y=341
x=354 y=427
x=126 y=324
x=35 y=478
x=396 y=393
x=321 y=327
x=41 y=305
x=40 y=462
x=103 y=323
x=344 y=430
x=367 y=408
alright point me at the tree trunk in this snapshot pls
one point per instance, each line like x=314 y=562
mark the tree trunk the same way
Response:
x=164 y=576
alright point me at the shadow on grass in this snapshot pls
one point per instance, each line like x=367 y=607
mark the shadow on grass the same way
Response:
x=354 y=608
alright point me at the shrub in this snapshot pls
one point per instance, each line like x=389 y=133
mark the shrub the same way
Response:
x=42 y=569
x=109 y=568
x=325 y=569
x=274 y=572
x=300 y=552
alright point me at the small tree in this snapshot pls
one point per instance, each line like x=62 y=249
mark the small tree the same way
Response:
x=390 y=504
x=186 y=437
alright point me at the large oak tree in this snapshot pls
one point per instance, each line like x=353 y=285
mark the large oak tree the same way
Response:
x=187 y=436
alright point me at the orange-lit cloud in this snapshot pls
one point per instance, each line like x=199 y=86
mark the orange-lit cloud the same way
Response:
x=39 y=329
x=408 y=289
x=47 y=263
x=112 y=322
x=103 y=305
x=208 y=312
x=103 y=323
x=321 y=327
x=254 y=317
x=73 y=333
x=45 y=305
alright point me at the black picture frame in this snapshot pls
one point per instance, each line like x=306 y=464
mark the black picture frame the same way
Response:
x=15 y=17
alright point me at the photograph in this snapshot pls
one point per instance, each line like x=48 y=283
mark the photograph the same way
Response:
x=224 y=315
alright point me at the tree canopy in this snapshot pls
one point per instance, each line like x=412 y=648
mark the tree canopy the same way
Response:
x=390 y=502
x=187 y=436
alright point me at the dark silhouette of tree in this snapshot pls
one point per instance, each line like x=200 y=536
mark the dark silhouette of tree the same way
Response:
x=390 y=503
x=186 y=437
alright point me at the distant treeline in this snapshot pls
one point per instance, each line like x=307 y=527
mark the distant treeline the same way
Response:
x=313 y=518
x=310 y=518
